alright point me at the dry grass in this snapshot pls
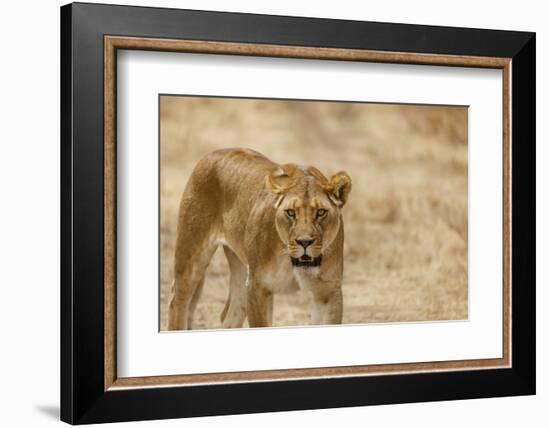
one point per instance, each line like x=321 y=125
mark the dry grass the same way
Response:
x=406 y=243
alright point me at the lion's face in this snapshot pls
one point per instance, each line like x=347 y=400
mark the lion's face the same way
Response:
x=308 y=207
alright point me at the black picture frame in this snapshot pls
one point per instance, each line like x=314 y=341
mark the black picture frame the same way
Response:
x=83 y=398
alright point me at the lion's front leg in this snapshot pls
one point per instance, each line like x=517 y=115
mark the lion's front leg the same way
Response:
x=259 y=306
x=327 y=305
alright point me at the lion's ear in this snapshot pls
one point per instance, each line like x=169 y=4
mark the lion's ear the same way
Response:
x=273 y=181
x=338 y=188
x=280 y=180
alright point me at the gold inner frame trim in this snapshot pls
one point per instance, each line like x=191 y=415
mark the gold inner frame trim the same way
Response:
x=113 y=43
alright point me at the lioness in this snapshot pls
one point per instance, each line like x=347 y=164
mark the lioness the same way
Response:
x=281 y=230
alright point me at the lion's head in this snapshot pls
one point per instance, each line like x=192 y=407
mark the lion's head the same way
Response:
x=307 y=208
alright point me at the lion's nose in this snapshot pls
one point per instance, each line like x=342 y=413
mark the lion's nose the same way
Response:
x=305 y=242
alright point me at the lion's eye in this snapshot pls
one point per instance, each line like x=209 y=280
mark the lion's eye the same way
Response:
x=321 y=212
x=290 y=213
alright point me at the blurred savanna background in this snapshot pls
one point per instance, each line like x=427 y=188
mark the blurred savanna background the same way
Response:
x=406 y=220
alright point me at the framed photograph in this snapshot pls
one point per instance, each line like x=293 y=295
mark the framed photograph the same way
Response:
x=265 y=213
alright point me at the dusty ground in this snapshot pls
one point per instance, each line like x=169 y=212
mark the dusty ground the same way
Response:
x=406 y=220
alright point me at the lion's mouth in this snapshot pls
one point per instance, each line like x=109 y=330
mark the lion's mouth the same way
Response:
x=306 y=261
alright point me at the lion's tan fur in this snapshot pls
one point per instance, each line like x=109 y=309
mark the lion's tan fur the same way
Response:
x=241 y=200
